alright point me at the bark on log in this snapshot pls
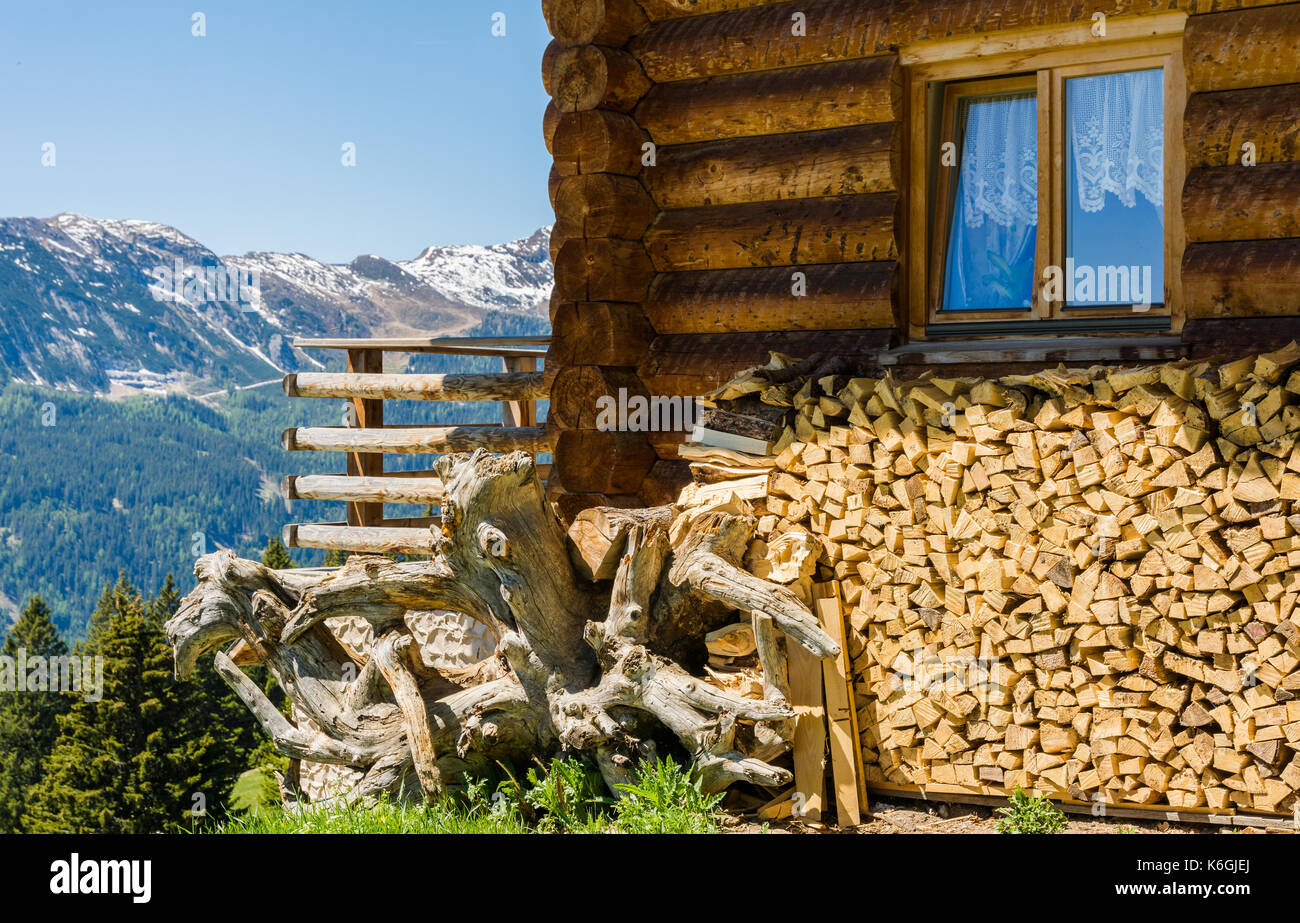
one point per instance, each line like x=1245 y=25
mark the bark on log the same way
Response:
x=598 y=141
x=839 y=296
x=598 y=333
x=590 y=77
x=657 y=10
x=416 y=440
x=594 y=22
x=494 y=386
x=602 y=269
x=603 y=205
x=1216 y=126
x=1242 y=48
x=797 y=231
x=838 y=162
x=578 y=664
x=1236 y=278
x=1242 y=203
x=774 y=102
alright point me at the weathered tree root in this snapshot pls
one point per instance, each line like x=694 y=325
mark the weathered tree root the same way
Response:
x=579 y=664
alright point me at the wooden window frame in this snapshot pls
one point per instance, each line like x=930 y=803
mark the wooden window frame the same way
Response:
x=1047 y=57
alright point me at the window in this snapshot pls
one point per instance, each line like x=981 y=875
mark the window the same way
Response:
x=1045 y=191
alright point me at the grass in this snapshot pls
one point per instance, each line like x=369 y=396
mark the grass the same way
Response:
x=568 y=796
x=1029 y=814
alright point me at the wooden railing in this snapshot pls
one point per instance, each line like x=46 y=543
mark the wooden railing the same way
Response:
x=366 y=486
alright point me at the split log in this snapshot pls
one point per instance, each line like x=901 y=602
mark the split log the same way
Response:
x=594 y=22
x=836 y=296
x=1242 y=203
x=789 y=233
x=598 y=333
x=603 y=205
x=416 y=439
x=499 y=386
x=837 y=162
x=1217 y=126
x=582 y=665
x=590 y=77
x=1235 y=278
x=598 y=141
x=601 y=269
x=774 y=102
x=1236 y=49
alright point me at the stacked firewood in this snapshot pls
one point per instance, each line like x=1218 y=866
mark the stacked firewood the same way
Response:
x=1082 y=582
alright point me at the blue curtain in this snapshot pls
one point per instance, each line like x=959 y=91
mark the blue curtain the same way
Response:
x=990 y=260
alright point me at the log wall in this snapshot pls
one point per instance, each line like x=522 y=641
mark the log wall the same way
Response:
x=726 y=182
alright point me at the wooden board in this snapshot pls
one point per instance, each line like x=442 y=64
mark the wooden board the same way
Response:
x=809 y=730
x=841 y=716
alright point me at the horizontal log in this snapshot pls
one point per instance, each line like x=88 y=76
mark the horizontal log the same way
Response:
x=693 y=364
x=598 y=333
x=591 y=76
x=498 y=386
x=839 y=296
x=774 y=102
x=834 y=229
x=578 y=390
x=657 y=10
x=763 y=37
x=550 y=122
x=521 y=347
x=602 y=269
x=1233 y=337
x=663 y=485
x=416 y=439
x=363 y=489
x=598 y=141
x=1236 y=278
x=364 y=539
x=599 y=22
x=593 y=462
x=1243 y=48
x=603 y=205
x=549 y=57
x=1217 y=126
x=553 y=182
x=1242 y=203
x=837 y=162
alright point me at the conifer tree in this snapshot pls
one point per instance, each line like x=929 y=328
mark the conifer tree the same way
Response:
x=276 y=556
x=152 y=755
x=28 y=720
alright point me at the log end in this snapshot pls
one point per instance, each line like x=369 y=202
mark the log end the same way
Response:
x=287 y=487
x=290 y=385
x=289 y=535
x=289 y=439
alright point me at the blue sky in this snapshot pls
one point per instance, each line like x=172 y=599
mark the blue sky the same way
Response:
x=235 y=137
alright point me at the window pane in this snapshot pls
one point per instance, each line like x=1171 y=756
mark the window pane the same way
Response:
x=990 y=259
x=1114 y=227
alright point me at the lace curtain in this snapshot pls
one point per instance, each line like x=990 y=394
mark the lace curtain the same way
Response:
x=999 y=168
x=990 y=260
x=1117 y=137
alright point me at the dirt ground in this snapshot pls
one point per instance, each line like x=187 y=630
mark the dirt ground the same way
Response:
x=910 y=816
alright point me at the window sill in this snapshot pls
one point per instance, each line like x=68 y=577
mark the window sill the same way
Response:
x=1046 y=349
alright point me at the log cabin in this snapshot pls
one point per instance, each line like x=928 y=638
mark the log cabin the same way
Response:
x=956 y=185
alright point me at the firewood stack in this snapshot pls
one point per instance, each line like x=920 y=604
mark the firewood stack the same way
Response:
x=1082 y=582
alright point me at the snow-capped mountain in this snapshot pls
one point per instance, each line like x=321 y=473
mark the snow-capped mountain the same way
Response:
x=98 y=305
